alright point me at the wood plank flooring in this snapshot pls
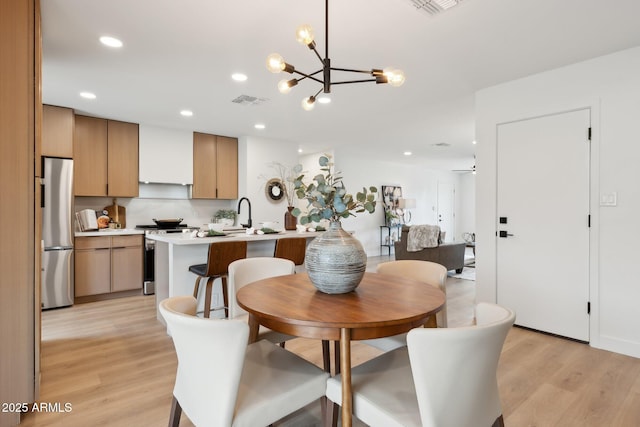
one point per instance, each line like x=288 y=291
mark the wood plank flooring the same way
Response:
x=113 y=362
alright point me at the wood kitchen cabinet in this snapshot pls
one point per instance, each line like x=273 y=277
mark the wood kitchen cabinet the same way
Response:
x=215 y=167
x=106 y=266
x=106 y=157
x=57 y=131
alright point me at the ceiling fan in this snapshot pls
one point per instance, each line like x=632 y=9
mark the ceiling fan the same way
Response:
x=472 y=169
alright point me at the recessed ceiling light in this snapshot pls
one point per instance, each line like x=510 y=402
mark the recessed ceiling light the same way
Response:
x=259 y=126
x=324 y=100
x=473 y=142
x=299 y=150
x=239 y=77
x=186 y=113
x=110 y=41
x=407 y=153
x=88 y=95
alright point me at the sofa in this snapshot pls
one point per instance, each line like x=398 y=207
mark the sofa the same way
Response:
x=451 y=255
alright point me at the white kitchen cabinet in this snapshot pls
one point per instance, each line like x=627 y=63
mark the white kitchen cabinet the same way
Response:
x=166 y=155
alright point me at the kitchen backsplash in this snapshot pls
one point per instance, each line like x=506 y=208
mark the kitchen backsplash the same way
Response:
x=142 y=211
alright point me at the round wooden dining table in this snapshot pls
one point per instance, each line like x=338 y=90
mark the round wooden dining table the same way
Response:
x=380 y=306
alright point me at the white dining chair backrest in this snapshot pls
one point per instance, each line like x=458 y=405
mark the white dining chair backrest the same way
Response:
x=247 y=270
x=210 y=359
x=223 y=382
x=454 y=369
x=428 y=272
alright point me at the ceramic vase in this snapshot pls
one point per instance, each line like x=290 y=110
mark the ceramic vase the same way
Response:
x=335 y=261
x=290 y=221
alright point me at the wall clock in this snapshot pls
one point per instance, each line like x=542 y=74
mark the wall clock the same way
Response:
x=274 y=189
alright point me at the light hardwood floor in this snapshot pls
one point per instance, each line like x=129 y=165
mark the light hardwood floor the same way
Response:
x=113 y=362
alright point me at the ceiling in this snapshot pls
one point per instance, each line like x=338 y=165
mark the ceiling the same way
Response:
x=181 y=54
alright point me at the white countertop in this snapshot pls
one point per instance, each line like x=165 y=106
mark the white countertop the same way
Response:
x=109 y=232
x=186 y=239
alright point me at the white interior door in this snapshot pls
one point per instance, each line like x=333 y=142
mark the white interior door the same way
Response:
x=543 y=230
x=446 y=209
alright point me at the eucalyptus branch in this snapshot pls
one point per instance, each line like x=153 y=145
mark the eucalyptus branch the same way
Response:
x=327 y=196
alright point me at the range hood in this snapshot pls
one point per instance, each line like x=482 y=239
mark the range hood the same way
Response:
x=166 y=156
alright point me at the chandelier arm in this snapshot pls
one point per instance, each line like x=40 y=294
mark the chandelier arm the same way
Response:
x=355 y=81
x=309 y=76
x=313 y=48
x=352 y=71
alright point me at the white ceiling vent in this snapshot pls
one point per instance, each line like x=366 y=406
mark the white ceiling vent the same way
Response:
x=433 y=7
x=249 y=100
x=441 y=144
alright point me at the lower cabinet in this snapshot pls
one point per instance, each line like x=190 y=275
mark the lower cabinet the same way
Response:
x=106 y=265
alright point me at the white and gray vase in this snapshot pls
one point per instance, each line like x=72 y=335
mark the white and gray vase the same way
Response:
x=335 y=261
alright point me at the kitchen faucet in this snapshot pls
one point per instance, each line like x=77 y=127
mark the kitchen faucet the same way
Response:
x=248 y=224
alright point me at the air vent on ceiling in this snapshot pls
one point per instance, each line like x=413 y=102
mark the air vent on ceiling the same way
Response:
x=441 y=144
x=433 y=7
x=249 y=100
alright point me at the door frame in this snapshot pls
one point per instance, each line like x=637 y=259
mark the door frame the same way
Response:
x=594 y=207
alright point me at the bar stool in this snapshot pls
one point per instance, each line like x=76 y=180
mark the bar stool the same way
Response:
x=221 y=254
x=291 y=248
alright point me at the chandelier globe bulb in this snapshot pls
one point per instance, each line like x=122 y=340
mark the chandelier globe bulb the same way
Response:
x=284 y=87
x=304 y=34
x=275 y=63
x=309 y=103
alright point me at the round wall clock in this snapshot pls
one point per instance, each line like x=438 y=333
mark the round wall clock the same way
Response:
x=274 y=189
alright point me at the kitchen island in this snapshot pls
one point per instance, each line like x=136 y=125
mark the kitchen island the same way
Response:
x=175 y=252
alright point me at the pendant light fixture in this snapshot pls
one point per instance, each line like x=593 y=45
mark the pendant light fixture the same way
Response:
x=304 y=35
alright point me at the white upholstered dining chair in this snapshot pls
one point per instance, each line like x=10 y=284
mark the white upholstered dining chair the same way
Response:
x=247 y=270
x=222 y=381
x=428 y=272
x=445 y=377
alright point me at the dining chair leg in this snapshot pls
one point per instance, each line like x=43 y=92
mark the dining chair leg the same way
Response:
x=336 y=361
x=499 y=422
x=225 y=295
x=176 y=412
x=326 y=356
x=335 y=411
x=207 y=298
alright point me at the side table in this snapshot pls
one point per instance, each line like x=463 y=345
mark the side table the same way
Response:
x=387 y=234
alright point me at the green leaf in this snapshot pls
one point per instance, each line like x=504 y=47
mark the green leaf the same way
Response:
x=296 y=212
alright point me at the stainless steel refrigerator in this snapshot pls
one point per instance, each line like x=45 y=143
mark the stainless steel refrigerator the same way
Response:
x=57 y=233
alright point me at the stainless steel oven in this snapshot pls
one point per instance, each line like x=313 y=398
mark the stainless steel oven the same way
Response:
x=150 y=250
x=148 y=287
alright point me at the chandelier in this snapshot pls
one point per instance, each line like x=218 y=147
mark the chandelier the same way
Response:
x=304 y=35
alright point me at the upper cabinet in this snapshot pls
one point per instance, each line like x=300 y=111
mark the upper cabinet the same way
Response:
x=122 y=159
x=57 y=131
x=215 y=167
x=106 y=157
x=166 y=155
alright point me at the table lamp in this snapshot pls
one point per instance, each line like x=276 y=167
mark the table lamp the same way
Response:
x=405 y=205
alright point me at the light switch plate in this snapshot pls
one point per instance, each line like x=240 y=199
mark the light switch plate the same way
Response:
x=609 y=199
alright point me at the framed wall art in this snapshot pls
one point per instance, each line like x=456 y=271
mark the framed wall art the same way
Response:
x=391 y=195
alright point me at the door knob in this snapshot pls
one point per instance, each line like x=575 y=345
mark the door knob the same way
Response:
x=503 y=233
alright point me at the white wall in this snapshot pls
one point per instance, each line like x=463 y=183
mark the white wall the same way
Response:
x=254 y=157
x=610 y=86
